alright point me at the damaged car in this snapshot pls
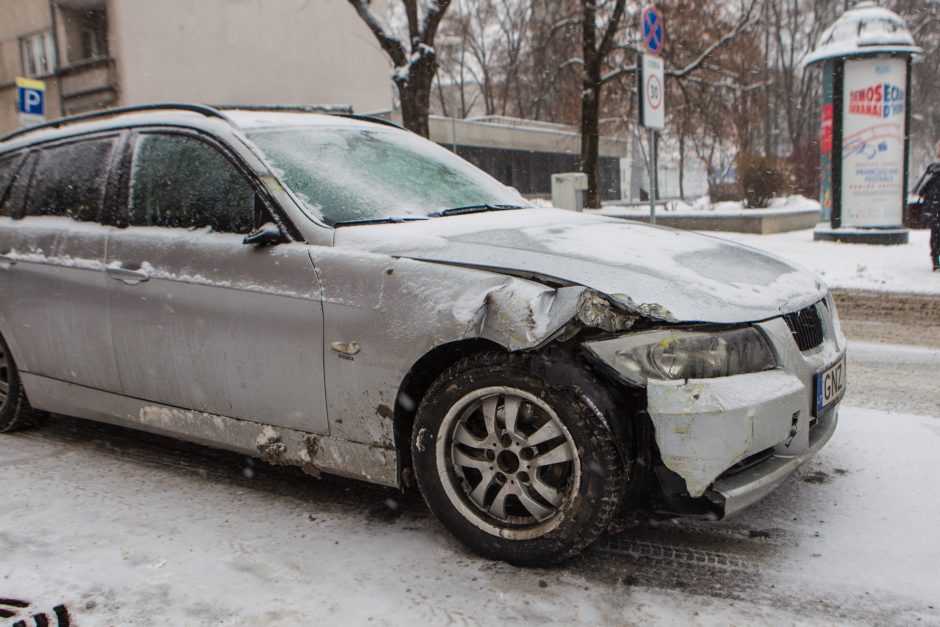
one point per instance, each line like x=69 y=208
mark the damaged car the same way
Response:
x=335 y=293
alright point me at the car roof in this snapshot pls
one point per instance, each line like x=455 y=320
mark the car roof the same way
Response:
x=200 y=117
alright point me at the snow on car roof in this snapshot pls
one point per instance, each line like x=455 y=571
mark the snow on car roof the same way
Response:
x=248 y=120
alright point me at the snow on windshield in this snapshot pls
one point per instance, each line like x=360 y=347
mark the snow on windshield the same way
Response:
x=351 y=174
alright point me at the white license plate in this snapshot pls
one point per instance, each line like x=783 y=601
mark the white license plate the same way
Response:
x=830 y=385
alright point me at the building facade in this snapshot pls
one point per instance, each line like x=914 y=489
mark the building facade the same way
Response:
x=102 y=53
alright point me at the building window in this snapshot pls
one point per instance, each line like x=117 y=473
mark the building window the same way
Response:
x=89 y=44
x=38 y=54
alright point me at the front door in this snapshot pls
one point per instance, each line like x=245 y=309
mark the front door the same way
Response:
x=200 y=320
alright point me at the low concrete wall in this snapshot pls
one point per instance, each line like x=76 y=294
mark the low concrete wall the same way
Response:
x=762 y=222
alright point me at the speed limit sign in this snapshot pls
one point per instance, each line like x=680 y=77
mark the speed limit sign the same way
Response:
x=652 y=93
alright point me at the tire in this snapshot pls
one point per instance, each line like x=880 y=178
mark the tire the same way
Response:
x=15 y=412
x=517 y=469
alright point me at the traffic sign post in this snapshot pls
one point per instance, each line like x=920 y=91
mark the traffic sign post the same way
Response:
x=30 y=101
x=651 y=87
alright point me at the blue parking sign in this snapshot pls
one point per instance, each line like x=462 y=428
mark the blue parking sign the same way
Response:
x=31 y=97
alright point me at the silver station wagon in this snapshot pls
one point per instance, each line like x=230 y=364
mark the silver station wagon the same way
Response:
x=339 y=294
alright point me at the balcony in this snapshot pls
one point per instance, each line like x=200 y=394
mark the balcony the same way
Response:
x=88 y=84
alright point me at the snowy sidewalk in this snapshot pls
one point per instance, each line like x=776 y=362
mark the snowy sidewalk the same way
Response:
x=904 y=269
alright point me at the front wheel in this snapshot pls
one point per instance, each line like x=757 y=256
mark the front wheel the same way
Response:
x=517 y=469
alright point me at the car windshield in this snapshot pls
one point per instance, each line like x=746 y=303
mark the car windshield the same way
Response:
x=349 y=174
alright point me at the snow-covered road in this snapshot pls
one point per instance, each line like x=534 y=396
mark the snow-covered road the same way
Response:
x=124 y=528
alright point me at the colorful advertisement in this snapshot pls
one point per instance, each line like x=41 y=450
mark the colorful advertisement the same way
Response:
x=825 y=145
x=873 y=113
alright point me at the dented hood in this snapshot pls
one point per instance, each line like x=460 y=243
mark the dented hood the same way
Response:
x=665 y=274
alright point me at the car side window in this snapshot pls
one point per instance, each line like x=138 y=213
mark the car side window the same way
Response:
x=8 y=167
x=180 y=181
x=69 y=179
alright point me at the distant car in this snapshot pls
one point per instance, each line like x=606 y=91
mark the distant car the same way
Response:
x=343 y=295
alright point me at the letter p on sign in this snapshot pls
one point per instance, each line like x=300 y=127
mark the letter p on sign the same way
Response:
x=31 y=99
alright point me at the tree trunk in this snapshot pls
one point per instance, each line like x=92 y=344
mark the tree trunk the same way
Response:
x=681 y=165
x=590 y=139
x=415 y=93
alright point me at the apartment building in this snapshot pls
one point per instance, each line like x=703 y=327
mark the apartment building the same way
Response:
x=101 y=53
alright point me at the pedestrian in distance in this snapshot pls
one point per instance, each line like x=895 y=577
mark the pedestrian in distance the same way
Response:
x=928 y=188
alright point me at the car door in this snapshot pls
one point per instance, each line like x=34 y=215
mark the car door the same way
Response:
x=53 y=289
x=199 y=319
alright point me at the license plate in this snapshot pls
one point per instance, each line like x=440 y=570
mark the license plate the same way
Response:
x=830 y=385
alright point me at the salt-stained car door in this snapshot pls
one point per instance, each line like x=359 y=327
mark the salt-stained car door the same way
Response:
x=200 y=320
x=53 y=298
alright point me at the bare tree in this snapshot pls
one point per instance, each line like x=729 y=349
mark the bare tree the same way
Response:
x=416 y=65
x=595 y=46
x=600 y=26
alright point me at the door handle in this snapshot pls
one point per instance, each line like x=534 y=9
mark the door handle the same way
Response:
x=130 y=276
x=7 y=261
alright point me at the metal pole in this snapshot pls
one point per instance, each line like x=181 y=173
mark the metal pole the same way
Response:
x=56 y=55
x=453 y=118
x=651 y=137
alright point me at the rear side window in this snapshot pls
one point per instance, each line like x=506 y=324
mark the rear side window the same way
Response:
x=8 y=166
x=69 y=180
x=182 y=182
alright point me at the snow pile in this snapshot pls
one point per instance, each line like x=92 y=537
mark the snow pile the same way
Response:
x=904 y=268
x=703 y=206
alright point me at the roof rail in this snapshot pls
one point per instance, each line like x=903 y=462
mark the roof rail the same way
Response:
x=342 y=111
x=369 y=118
x=210 y=112
x=314 y=108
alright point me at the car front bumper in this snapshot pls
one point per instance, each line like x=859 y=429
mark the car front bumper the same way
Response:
x=734 y=439
x=741 y=490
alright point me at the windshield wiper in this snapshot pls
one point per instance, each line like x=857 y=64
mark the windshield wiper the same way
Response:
x=379 y=220
x=453 y=211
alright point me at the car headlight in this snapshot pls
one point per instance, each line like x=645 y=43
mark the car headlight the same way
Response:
x=675 y=354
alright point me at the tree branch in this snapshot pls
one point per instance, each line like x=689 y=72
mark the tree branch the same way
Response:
x=389 y=44
x=432 y=20
x=621 y=71
x=731 y=85
x=607 y=41
x=742 y=24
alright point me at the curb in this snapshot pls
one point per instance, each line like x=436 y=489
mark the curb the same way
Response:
x=907 y=308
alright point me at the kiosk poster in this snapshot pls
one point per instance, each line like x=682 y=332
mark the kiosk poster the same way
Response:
x=825 y=144
x=873 y=142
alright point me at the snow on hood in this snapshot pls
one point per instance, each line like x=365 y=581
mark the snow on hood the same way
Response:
x=662 y=273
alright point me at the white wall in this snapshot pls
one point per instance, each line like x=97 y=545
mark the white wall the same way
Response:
x=247 y=52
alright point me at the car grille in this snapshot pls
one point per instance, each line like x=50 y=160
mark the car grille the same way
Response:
x=806 y=327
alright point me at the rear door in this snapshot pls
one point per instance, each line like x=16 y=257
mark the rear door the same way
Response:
x=199 y=319
x=53 y=289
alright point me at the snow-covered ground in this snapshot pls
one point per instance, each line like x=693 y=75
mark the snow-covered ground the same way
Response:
x=702 y=206
x=129 y=529
x=904 y=268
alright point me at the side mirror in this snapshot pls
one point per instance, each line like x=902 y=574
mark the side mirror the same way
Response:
x=267 y=234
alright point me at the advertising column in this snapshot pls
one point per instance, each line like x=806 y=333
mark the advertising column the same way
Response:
x=873 y=146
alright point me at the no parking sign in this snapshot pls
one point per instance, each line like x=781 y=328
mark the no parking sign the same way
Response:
x=654 y=31
x=30 y=101
x=651 y=85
